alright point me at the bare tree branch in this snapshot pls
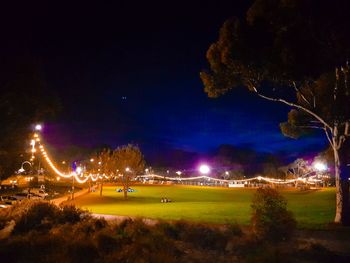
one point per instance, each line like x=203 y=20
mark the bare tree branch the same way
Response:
x=295 y=106
x=328 y=137
x=346 y=129
x=310 y=127
x=301 y=94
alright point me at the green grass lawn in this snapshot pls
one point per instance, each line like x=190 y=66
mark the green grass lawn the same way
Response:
x=312 y=209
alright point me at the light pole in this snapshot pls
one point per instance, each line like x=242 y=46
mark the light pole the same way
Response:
x=78 y=171
x=21 y=170
x=320 y=168
x=38 y=127
x=73 y=187
x=204 y=169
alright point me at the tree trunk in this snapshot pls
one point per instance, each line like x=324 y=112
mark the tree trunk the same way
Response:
x=342 y=214
x=125 y=186
x=101 y=188
x=125 y=190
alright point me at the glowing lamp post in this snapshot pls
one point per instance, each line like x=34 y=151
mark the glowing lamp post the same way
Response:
x=38 y=127
x=204 y=169
x=320 y=167
x=21 y=170
x=78 y=171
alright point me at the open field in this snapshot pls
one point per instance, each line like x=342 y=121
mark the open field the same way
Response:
x=312 y=209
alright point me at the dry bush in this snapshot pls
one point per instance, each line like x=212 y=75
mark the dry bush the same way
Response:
x=40 y=217
x=46 y=233
x=270 y=218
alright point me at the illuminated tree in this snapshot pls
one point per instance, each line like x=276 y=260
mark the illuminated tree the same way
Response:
x=130 y=163
x=299 y=168
x=105 y=165
x=293 y=52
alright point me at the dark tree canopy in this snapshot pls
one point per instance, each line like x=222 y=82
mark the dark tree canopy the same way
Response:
x=285 y=46
x=130 y=163
x=280 y=41
x=293 y=52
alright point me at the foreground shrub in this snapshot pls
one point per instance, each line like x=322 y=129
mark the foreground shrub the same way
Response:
x=41 y=217
x=15 y=211
x=270 y=218
x=200 y=235
x=71 y=214
x=233 y=230
x=46 y=233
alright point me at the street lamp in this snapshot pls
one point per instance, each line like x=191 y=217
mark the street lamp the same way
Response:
x=320 y=167
x=21 y=170
x=78 y=170
x=38 y=127
x=204 y=169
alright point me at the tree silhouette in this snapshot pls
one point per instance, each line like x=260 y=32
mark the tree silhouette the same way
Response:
x=293 y=52
x=130 y=163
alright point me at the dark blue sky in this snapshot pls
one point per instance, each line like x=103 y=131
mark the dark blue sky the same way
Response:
x=94 y=56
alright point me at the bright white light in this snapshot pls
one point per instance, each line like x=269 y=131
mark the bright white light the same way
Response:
x=127 y=169
x=320 y=166
x=204 y=169
x=92 y=160
x=38 y=127
x=227 y=173
x=178 y=173
x=21 y=170
x=78 y=170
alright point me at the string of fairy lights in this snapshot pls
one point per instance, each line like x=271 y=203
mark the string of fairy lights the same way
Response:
x=310 y=180
x=80 y=177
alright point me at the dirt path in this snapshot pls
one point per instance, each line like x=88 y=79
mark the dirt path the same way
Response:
x=337 y=240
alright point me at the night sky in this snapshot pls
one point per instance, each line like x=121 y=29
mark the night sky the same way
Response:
x=129 y=72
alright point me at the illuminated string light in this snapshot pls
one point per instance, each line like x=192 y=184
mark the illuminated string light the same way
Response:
x=257 y=178
x=55 y=169
x=95 y=177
